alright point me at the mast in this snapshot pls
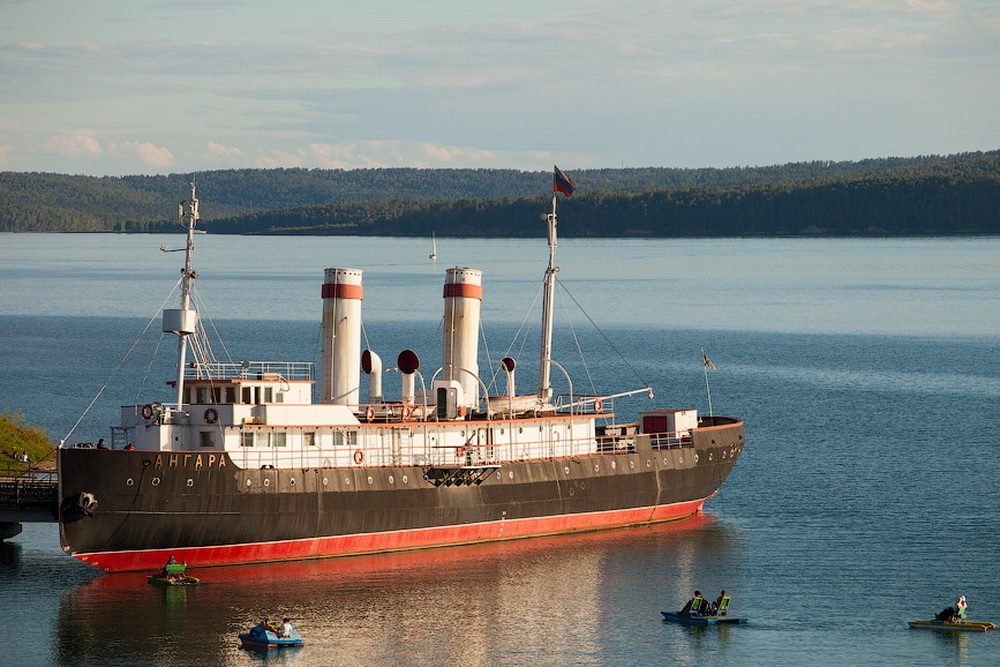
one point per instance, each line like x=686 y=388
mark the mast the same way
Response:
x=548 y=305
x=187 y=213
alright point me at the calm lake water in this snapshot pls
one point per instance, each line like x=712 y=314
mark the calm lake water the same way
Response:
x=868 y=373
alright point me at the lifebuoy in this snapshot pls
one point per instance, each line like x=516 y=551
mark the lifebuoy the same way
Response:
x=597 y=405
x=147 y=411
x=211 y=416
x=369 y=414
x=359 y=455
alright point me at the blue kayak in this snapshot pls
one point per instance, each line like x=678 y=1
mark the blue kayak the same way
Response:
x=258 y=637
x=684 y=619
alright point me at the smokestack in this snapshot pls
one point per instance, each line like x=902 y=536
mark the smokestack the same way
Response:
x=463 y=295
x=371 y=364
x=341 y=372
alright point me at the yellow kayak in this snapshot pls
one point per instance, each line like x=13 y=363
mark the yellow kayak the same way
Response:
x=953 y=626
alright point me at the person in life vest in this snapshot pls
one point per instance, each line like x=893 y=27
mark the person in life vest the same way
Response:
x=720 y=605
x=960 y=607
x=694 y=606
x=953 y=614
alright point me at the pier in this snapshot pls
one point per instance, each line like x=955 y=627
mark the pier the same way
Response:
x=31 y=497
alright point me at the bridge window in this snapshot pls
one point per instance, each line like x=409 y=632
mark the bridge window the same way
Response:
x=268 y=395
x=309 y=438
x=230 y=394
x=247 y=395
x=207 y=438
x=247 y=439
x=279 y=439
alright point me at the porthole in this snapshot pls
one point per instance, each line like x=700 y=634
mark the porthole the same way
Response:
x=566 y=470
x=501 y=431
x=370 y=480
x=572 y=491
x=648 y=463
x=680 y=460
x=267 y=481
x=347 y=481
x=249 y=482
x=129 y=482
x=291 y=482
x=695 y=458
x=511 y=474
x=325 y=481
x=583 y=485
x=520 y=429
x=190 y=482
x=613 y=465
x=631 y=464
x=666 y=462
x=392 y=480
x=499 y=476
x=155 y=481
x=709 y=457
x=462 y=434
x=405 y=479
x=597 y=467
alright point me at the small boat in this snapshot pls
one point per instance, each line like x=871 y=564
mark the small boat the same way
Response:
x=684 y=619
x=434 y=248
x=953 y=626
x=260 y=637
x=173 y=580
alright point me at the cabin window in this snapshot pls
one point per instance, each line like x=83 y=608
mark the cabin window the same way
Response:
x=202 y=395
x=207 y=438
x=192 y=395
x=257 y=395
x=279 y=438
x=268 y=395
x=217 y=394
x=352 y=438
x=247 y=398
x=230 y=394
x=247 y=440
x=309 y=439
x=279 y=397
x=338 y=438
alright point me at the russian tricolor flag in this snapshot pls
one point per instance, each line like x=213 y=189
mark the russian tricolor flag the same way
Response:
x=562 y=183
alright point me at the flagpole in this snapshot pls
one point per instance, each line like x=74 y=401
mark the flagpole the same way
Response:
x=708 y=390
x=548 y=305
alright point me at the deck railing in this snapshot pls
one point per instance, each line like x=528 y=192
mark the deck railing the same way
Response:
x=249 y=370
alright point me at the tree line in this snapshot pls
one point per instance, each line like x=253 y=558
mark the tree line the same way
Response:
x=957 y=194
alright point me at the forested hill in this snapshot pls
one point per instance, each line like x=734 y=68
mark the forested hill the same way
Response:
x=955 y=194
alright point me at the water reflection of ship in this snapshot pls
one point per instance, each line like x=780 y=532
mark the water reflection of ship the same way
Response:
x=380 y=609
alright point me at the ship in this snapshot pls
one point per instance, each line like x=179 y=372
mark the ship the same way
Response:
x=244 y=466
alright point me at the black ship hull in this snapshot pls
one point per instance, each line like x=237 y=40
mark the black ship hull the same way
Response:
x=128 y=510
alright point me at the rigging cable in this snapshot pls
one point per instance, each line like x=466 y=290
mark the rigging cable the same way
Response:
x=121 y=362
x=513 y=342
x=603 y=335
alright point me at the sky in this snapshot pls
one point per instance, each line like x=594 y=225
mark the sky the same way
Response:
x=171 y=86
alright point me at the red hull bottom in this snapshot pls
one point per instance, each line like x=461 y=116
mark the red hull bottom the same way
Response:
x=368 y=543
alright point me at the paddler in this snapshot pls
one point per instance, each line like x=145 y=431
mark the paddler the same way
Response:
x=694 y=606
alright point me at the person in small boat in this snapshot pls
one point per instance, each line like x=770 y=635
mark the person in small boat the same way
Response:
x=953 y=614
x=960 y=607
x=720 y=604
x=695 y=606
x=286 y=628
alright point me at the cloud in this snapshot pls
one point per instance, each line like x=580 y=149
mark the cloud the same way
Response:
x=373 y=154
x=223 y=151
x=79 y=143
x=147 y=153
